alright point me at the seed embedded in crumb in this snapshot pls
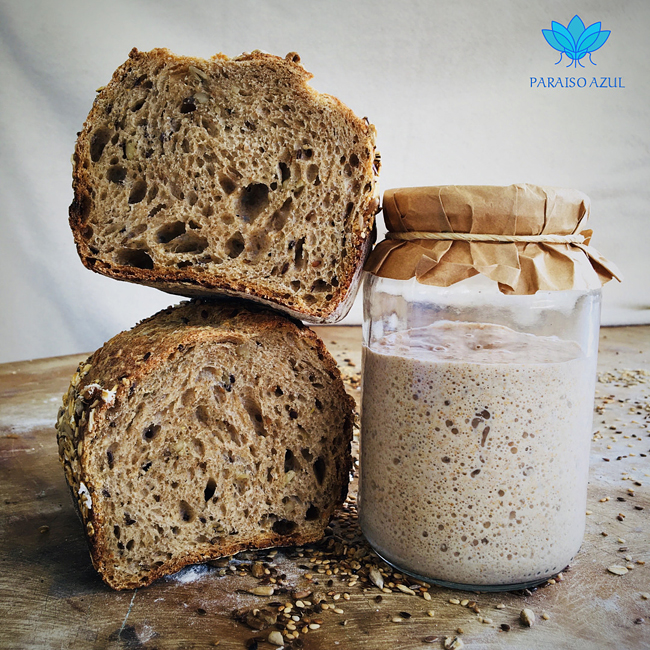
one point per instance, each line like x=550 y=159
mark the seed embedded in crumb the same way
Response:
x=527 y=617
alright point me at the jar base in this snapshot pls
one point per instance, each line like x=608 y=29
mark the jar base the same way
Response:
x=463 y=587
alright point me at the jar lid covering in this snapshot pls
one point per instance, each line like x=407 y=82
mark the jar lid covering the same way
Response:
x=525 y=237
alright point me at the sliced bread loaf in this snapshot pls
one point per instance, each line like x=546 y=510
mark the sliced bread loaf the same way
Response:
x=227 y=176
x=207 y=429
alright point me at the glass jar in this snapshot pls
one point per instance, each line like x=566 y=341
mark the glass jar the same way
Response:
x=475 y=429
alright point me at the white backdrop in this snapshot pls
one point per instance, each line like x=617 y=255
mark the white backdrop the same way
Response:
x=447 y=83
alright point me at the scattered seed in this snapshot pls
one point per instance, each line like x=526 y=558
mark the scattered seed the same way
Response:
x=275 y=638
x=617 y=570
x=264 y=590
x=376 y=578
x=44 y=529
x=500 y=606
x=545 y=616
x=397 y=619
x=527 y=617
x=505 y=627
x=453 y=643
x=338 y=610
x=426 y=595
x=404 y=589
x=645 y=596
x=314 y=626
x=430 y=639
x=454 y=601
x=464 y=602
x=431 y=613
x=405 y=614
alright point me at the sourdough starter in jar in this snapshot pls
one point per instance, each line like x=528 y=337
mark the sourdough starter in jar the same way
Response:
x=474 y=452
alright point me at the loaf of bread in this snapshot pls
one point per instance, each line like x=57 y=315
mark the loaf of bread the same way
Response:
x=226 y=176
x=207 y=429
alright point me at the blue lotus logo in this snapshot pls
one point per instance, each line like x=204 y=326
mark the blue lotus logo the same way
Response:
x=575 y=40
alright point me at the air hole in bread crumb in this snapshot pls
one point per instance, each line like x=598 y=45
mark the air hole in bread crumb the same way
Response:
x=278 y=391
x=312 y=172
x=187 y=512
x=202 y=414
x=130 y=544
x=116 y=532
x=284 y=527
x=188 y=105
x=299 y=259
x=285 y=172
x=210 y=489
x=151 y=431
x=306 y=454
x=319 y=470
x=228 y=185
x=254 y=199
x=116 y=174
x=134 y=257
x=138 y=191
x=188 y=243
x=320 y=286
x=98 y=141
x=252 y=407
x=312 y=513
x=290 y=462
x=235 y=245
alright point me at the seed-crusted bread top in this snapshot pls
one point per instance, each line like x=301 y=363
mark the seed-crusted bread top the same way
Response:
x=226 y=176
x=205 y=430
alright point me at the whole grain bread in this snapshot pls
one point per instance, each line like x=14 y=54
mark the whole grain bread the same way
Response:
x=207 y=429
x=228 y=176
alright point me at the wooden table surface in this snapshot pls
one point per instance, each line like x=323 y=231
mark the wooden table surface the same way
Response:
x=50 y=596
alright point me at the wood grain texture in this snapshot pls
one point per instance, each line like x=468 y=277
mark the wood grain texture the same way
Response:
x=50 y=597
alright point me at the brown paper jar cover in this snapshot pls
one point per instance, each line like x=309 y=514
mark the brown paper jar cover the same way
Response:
x=518 y=268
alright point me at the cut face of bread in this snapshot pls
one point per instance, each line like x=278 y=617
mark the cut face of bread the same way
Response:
x=226 y=176
x=205 y=430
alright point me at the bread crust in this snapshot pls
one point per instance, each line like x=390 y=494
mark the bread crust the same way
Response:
x=193 y=280
x=104 y=382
